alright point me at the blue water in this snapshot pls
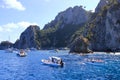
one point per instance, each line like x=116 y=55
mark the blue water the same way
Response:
x=30 y=67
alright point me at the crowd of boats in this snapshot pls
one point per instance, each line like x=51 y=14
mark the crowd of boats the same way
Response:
x=21 y=52
x=52 y=60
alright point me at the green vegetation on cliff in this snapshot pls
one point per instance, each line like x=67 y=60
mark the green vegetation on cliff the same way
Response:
x=57 y=37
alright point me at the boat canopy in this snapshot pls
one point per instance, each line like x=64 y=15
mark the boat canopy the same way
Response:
x=54 y=57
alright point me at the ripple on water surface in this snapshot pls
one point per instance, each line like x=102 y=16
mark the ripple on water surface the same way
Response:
x=76 y=67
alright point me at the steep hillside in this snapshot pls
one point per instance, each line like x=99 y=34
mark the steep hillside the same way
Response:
x=29 y=38
x=104 y=27
x=74 y=16
x=58 y=32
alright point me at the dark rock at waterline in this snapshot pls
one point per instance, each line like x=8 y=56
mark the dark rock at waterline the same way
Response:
x=5 y=45
x=80 y=45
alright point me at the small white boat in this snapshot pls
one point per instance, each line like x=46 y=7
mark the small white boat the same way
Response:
x=53 y=61
x=9 y=50
x=22 y=53
x=54 y=51
x=94 y=61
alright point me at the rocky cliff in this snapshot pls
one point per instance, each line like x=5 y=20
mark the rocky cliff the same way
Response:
x=58 y=32
x=80 y=45
x=76 y=15
x=105 y=27
x=100 y=5
x=29 y=38
x=101 y=29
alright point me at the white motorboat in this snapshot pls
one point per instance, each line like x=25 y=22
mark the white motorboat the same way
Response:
x=53 y=61
x=22 y=53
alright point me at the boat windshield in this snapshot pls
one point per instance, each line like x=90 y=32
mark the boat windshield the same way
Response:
x=55 y=59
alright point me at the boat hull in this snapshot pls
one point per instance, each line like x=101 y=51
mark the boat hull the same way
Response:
x=21 y=55
x=49 y=63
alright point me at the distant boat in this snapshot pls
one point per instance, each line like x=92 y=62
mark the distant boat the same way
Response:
x=27 y=50
x=15 y=50
x=33 y=49
x=117 y=53
x=57 y=50
x=94 y=61
x=9 y=50
x=53 y=61
x=54 y=51
x=22 y=53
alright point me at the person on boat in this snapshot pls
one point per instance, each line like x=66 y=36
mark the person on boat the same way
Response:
x=52 y=59
x=22 y=52
x=61 y=63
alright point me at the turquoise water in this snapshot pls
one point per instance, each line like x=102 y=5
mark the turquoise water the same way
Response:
x=76 y=67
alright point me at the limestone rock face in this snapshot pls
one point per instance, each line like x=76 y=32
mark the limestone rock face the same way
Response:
x=105 y=28
x=101 y=4
x=76 y=15
x=28 y=39
x=64 y=25
x=80 y=45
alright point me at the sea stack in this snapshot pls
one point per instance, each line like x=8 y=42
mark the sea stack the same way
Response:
x=80 y=45
x=29 y=38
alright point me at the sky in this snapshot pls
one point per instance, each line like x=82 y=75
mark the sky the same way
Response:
x=17 y=15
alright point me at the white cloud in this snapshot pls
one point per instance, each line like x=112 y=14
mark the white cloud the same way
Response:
x=25 y=24
x=13 y=30
x=15 y=4
x=11 y=26
x=1 y=29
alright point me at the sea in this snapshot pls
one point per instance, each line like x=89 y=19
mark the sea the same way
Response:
x=76 y=66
